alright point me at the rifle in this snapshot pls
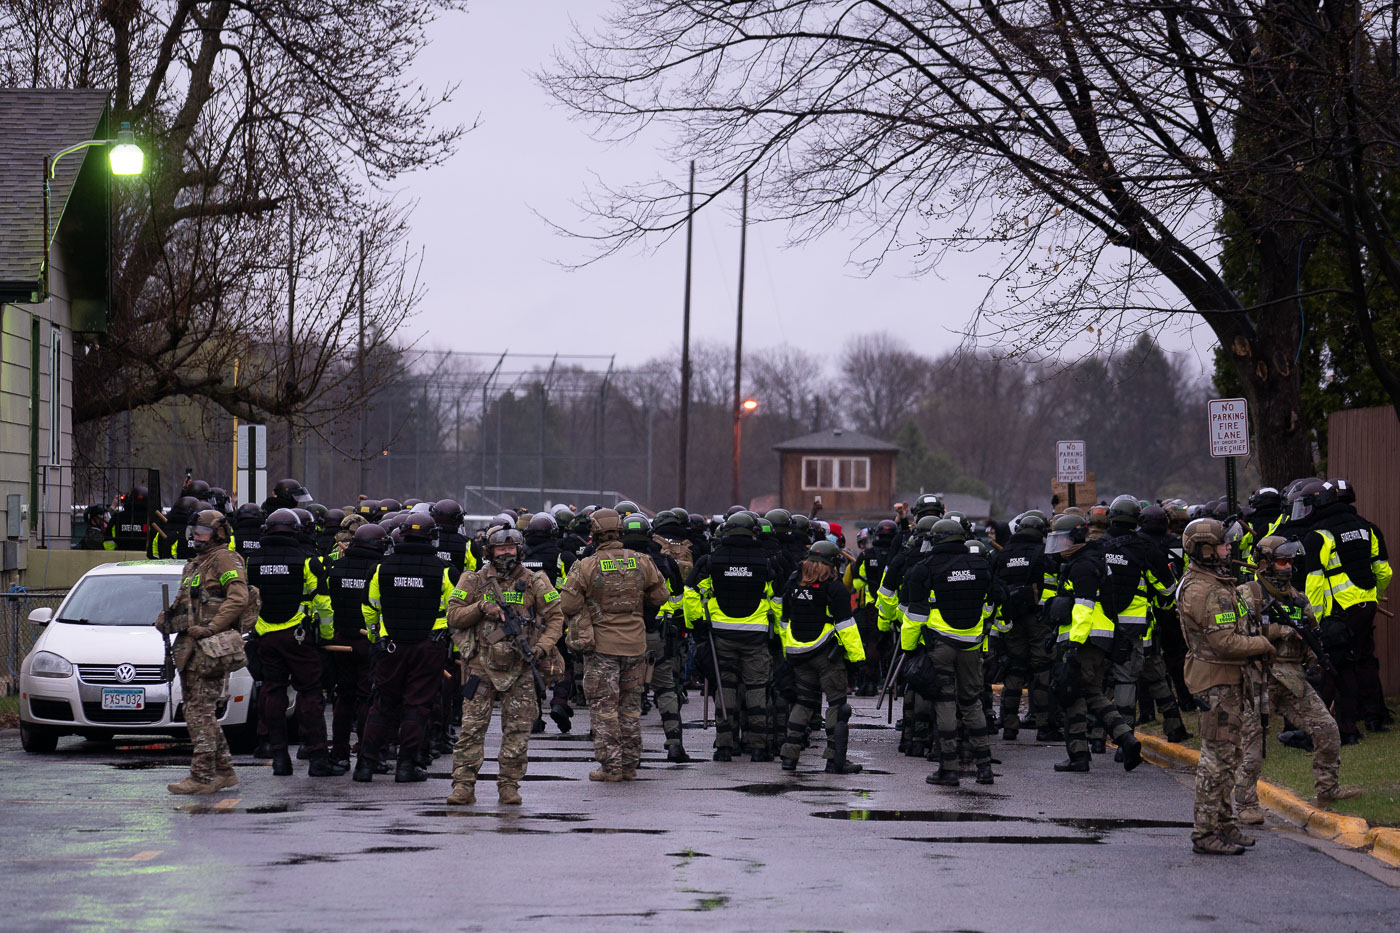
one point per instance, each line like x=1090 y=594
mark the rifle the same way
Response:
x=167 y=669
x=1304 y=631
x=888 y=685
x=511 y=625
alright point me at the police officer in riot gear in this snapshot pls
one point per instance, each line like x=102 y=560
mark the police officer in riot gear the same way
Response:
x=727 y=598
x=348 y=585
x=1025 y=581
x=287 y=579
x=407 y=620
x=948 y=595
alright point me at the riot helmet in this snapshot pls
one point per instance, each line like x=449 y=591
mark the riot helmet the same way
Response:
x=282 y=522
x=948 y=529
x=928 y=504
x=825 y=552
x=1069 y=529
x=419 y=526
x=207 y=530
x=1124 y=510
x=369 y=535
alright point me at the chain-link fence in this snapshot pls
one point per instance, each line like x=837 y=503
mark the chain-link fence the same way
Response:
x=17 y=636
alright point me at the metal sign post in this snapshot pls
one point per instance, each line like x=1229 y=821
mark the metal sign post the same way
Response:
x=1229 y=438
x=1070 y=459
x=250 y=479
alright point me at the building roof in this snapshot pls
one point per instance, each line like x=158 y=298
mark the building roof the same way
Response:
x=837 y=439
x=38 y=123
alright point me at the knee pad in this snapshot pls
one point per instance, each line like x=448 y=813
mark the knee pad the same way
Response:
x=843 y=712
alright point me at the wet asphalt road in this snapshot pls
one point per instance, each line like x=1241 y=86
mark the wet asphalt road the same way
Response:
x=94 y=841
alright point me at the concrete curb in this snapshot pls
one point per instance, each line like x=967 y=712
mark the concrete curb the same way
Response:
x=1351 y=831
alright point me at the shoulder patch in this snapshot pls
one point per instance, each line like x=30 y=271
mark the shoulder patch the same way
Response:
x=226 y=576
x=551 y=596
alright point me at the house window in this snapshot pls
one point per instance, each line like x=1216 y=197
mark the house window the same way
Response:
x=836 y=473
x=55 y=397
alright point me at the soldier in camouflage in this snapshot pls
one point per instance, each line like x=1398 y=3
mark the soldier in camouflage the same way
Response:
x=607 y=600
x=1270 y=598
x=213 y=594
x=494 y=667
x=1219 y=649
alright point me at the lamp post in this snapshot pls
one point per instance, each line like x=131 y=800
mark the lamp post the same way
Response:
x=748 y=407
x=125 y=159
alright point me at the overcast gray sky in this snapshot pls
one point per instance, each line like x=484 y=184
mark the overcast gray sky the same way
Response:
x=490 y=261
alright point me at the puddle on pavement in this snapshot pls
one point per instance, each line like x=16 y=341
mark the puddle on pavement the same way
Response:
x=362 y=809
x=551 y=817
x=1086 y=824
x=687 y=854
x=1102 y=824
x=610 y=831
x=408 y=831
x=273 y=808
x=390 y=850
x=711 y=903
x=867 y=725
x=144 y=765
x=775 y=789
x=306 y=860
x=1010 y=840
x=917 y=816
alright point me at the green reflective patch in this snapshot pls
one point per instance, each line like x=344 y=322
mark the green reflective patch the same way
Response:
x=459 y=594
x=191 y=582
x=607 y=565
x=226 y=576
x=515 y=597
x=1224 y=618
x=551 y=596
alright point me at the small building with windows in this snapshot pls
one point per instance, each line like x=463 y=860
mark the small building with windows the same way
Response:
x=853 y=473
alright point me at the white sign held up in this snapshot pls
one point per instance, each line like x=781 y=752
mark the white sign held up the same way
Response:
x=1070 y=462
x=1229 y=427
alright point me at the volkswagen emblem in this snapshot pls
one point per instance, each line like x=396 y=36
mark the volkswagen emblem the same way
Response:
x=126 y=673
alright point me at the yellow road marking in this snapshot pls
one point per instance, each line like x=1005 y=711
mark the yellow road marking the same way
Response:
x=143 y=856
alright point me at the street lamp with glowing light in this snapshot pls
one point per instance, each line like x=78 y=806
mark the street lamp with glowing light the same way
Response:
x=125 y=159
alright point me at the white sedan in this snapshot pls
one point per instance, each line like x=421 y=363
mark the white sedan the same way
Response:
x=95 y=670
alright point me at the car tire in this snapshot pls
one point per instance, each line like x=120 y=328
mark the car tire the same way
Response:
x=36 y=739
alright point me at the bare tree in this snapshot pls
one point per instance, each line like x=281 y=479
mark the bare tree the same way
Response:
x=249 y=111
x=883 y=382
x=1094 y=144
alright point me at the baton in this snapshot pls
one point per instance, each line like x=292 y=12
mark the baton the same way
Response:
x=890 y=680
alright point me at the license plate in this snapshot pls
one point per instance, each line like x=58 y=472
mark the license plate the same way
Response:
x=133 y=698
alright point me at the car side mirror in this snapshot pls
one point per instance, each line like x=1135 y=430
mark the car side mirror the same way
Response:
x=40 y=616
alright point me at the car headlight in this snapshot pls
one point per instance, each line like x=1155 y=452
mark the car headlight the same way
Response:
x=48 y=664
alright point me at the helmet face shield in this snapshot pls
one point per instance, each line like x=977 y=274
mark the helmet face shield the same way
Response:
x=1301 y=510
x=1057 y=542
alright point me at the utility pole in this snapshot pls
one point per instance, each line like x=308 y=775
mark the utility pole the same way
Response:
x=364 y=402
x=291 y=322
x=739 y=341
x=685 y=340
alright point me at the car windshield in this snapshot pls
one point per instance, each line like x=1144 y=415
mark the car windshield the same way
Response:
x=117 y=599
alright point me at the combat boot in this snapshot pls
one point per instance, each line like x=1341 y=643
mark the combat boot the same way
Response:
x=1132 y=751
x=321 y=767
x=1296 y=738
x=1376 y=725
x=835 y=767
x=364 y=770
x=263 y=751
x=1049 y=734
x=538 y=727
x=789 y=764
x=1073 y=764
x=677 y=754
x=723 y=754
x=943 y=777
x=509 y=794
x=1341 y=792
x=1251 y=815
x=761 y=755
x=1009 y=734
x=1215 y=845
x=341 y=765
x=190 y=786
x=600 y=774
x=463 y=795
x=562 y=716
x=1232 y=834
x=916 y=750
x=1178 y=735
x=1097 y=746
x=225 y=779
x=282 y=763
x=408 y=771
x=984 y=774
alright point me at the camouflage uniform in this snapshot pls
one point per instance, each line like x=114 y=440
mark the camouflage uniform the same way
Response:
x=495 y=665
x=213 y=593
x=1219 y=648
x=1290 y=695
x=606 y=598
